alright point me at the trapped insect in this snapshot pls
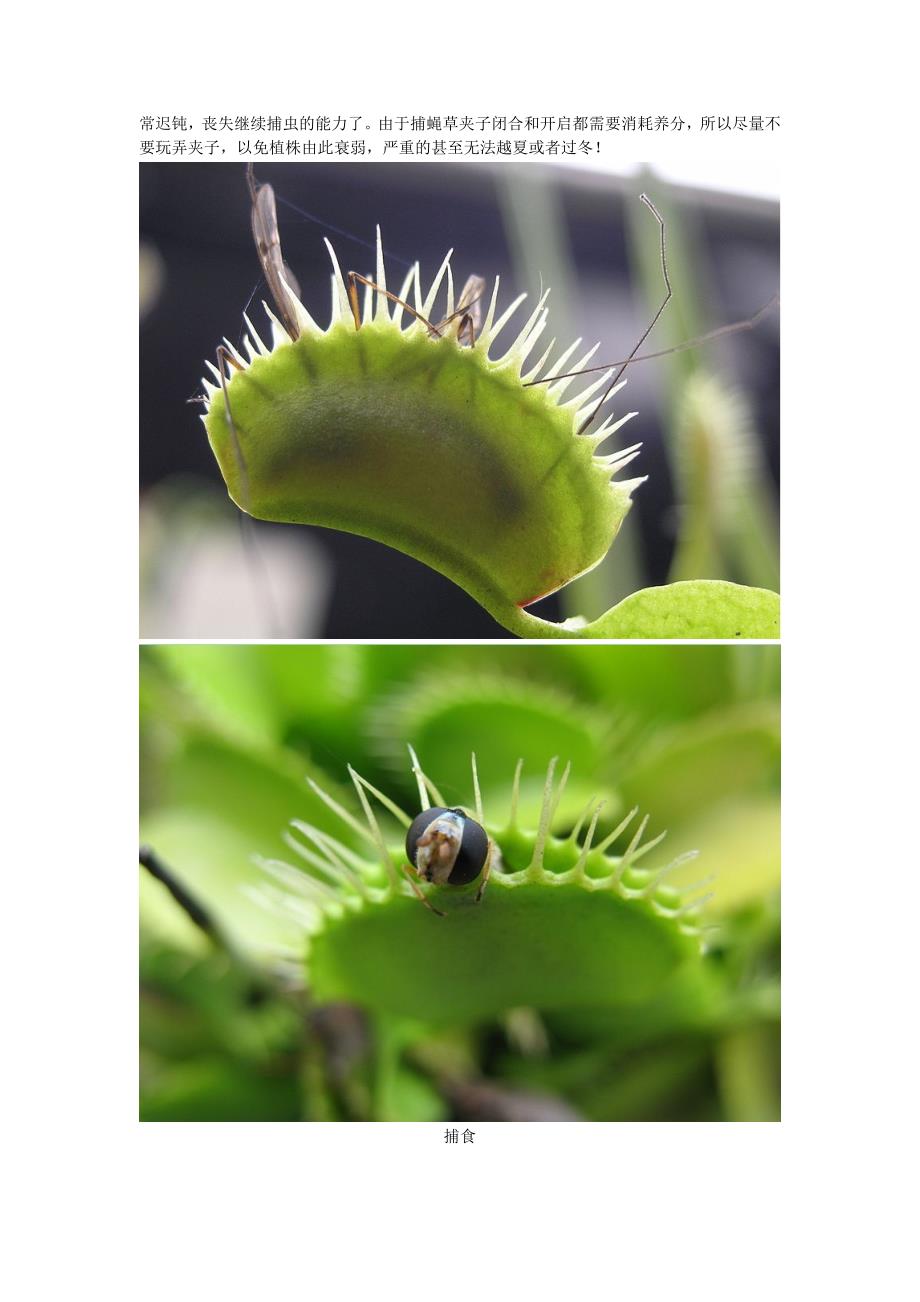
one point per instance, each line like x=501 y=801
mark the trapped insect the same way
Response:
x=448 y=848
x=282 y=283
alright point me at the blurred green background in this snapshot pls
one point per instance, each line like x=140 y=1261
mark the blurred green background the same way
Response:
x=228 y=734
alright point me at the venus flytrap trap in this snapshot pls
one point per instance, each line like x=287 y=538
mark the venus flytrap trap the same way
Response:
x=406 y=429
x=415 y=441
x=564 y=924
x=728 y=523
x=713 y=458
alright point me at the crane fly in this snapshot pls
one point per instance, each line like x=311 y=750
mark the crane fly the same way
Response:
x=467 y=313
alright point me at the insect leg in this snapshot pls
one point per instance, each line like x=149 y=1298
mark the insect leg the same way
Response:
x=421 y=894
x=468 y=309
x=486 y=872
x=354 y=276
x=353 y=297
x=651 y=325
x=735 y=327
x=469 y=325
x=224 y=355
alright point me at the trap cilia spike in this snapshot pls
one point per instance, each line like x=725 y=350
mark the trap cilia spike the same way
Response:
x=565 y=923
x=406 y=429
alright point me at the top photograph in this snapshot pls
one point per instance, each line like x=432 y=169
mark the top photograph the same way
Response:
x=456 y=401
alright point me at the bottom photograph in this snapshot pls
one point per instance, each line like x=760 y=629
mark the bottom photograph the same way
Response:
x=458 y=883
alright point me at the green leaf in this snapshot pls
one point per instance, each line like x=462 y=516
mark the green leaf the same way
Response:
x=433 y=448
x=697 y=608
x=695 y=767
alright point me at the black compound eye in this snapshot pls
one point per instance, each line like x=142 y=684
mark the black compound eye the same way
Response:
x=471 y=855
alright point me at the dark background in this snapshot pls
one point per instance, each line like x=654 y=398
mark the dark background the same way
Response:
x=196 y=218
